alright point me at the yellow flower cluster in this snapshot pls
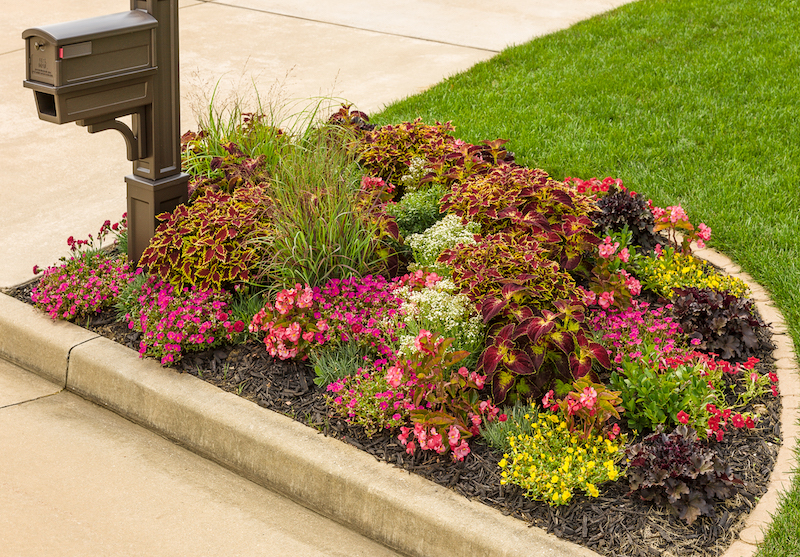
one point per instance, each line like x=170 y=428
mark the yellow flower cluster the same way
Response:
x=551 y=463
x=678 y=270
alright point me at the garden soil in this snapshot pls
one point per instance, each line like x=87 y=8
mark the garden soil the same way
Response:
x=616 y=524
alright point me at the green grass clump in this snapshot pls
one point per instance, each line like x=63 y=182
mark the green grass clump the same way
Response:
x=687 y=101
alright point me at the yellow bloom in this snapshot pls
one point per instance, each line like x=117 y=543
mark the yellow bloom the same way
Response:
x=592 y=490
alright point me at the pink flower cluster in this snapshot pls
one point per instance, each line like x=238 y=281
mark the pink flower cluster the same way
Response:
x=631 y=331
x=363 y=310
x=172 y=321
x=431 y=440
x=611 y=278
x=675 y=217
x=82 y=286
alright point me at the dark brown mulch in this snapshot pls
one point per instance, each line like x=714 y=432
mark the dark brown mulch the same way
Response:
x=614 y=524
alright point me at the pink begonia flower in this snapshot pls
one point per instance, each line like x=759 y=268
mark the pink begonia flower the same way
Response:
x=588 y=397
x=410 y=448
x=607 y=249
x=284 y=301
x=589 y=297
x=573 y=406
x=435 y=442
x=606 y=300
x=394 y=376
x=658 y=250
x=548 y=399
x=461 y=451
x=308 y=336
x=293 y=332
x=422 y=334
x=453 y=435
x=703 y=232
x=676 y=213
x=306 y=298
x=624 y=255
x=403 y=437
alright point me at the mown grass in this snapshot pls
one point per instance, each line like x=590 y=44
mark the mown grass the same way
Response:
x=688 y=101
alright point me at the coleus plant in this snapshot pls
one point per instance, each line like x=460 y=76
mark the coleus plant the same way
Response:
x=206 y=244
x=521 y=200
x=527 y=353
x=388 y=152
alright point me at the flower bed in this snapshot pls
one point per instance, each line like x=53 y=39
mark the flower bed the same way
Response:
x=551 y=348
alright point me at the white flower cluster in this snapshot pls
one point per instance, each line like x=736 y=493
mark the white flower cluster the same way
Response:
x=440 y=309
x=416 y=171
x=444 y=234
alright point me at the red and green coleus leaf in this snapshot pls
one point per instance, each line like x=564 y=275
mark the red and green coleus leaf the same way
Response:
x=587 y=352
x=502 y=382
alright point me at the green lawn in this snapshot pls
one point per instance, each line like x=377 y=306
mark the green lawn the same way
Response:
x=688 y=101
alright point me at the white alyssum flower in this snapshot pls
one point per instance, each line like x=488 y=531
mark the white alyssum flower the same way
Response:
x=445 y=234
x=416 y=171
x=440 y=309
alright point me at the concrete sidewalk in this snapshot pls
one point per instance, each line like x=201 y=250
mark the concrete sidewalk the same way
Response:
x=79 y=480
x=60 y=181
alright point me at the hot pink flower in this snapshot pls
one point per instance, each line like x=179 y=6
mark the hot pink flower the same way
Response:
x=683 y=417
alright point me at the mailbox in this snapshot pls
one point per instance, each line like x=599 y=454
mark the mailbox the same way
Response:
x=96 y=70
x=92 y=68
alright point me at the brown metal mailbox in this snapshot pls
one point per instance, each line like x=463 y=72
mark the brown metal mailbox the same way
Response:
x=90 y=68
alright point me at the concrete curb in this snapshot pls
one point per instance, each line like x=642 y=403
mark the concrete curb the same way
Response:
x=401 y=510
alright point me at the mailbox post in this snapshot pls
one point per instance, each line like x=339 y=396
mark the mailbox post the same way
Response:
x=96 y=70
